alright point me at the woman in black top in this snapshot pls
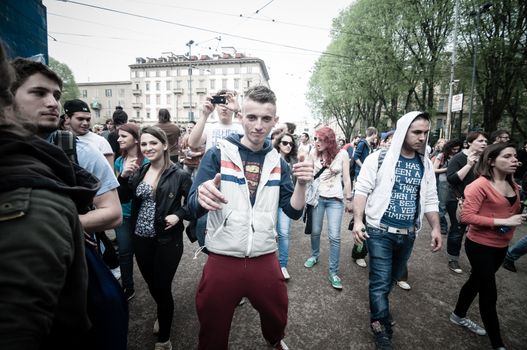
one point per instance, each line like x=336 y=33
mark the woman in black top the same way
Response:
x=157 y=190
x=460 y=173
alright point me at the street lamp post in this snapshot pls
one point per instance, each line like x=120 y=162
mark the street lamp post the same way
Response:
x=190 y=113
x=452 y=66
x=483 y=8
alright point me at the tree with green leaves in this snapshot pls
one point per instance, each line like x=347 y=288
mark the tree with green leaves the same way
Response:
x=70 y=90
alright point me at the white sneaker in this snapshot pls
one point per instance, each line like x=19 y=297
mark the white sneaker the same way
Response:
x=116 y=273
x=285 y=273
x=404 y=285
x=163 y=346
x=155 y=330
x=281 y=345
x=361 y=262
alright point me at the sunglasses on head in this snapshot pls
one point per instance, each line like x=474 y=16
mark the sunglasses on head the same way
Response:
x=285 y=143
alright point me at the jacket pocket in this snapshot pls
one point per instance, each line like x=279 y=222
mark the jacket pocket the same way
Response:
x=14 y=204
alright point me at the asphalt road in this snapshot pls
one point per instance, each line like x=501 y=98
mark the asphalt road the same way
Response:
x=321 y=317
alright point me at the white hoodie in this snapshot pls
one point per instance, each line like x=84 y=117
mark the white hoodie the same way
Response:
x=377 y=184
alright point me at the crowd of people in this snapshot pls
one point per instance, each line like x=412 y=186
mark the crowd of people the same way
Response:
x=233 y=184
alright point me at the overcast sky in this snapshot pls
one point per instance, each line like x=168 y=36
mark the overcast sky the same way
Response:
x=98 y=45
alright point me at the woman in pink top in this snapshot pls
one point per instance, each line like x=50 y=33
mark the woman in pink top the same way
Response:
x=491 y=207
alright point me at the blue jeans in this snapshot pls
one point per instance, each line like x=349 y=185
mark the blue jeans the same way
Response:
x=442 y=192
x=334 y=210
x=518 y=249
x=283 y=227
x=126 y=252
x=389 y=254
x=201 y=226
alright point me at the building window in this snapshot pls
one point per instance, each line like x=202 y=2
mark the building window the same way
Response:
x=212 y=84
x=168 y=72
x=120 y=103
x=441 y=105
x=147 y=115
x=137 y=86
x=236 y=83
x=158 y=73
x=169 y=83
x=224 y=71
x=138 y=114
x=237 y=70
x=169 y=99
x=147 y=86
x=108 y=92
x=121 y=92
x=147 y=99
x=158 y=99
x=223 y=83
x=178 y=72
x=158 y=85
x=249 y=69
x=201 y=83
x=178 y=84
x=84 y=93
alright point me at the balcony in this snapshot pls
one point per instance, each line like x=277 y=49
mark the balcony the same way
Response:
x=137 y=105
x=187 y=104
x=137 y=92
x=178 y=91
x=201 y=90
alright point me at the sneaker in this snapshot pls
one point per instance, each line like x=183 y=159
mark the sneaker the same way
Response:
x=382 y=340
x=508 y=264
x=453 y=265
x=285 y=273
x=335 y=281
x=116 y=273
x=163 y=346
x=281 y=345
x=155 y=330
x=404 y=285
x=129 y=293
x=311 y=262
x=465 y=322
x=361 y=262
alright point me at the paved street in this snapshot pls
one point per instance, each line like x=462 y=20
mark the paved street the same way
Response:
x=323 y=318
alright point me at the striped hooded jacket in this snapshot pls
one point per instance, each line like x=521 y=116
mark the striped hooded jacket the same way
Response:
x=245 y=226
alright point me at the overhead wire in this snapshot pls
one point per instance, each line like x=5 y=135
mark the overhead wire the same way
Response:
x=199 y=28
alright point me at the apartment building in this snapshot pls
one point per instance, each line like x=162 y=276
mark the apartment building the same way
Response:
x=103 y=97
x=180 y=84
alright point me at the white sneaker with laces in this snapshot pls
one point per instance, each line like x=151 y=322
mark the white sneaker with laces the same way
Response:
x=163 y=346
x=468 y=323
x=285 y=273
x=404 y=285
x=361 y=262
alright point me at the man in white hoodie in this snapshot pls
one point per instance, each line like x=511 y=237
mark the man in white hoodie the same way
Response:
x=395 y=197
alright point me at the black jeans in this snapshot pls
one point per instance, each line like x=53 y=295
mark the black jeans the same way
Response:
x=456 y=233
x=485 y=261
x=158 y=263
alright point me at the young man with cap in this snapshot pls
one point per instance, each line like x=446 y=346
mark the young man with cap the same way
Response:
x=395 y=197
x=77 y=119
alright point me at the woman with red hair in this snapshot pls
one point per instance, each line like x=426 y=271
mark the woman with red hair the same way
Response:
x=332 y=197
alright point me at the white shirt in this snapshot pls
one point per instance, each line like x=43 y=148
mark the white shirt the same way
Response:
x=98 y=141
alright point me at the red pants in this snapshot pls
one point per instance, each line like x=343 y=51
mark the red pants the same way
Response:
x=225 y=281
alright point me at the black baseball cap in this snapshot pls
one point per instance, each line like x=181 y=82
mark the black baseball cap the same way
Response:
x=76 y=105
